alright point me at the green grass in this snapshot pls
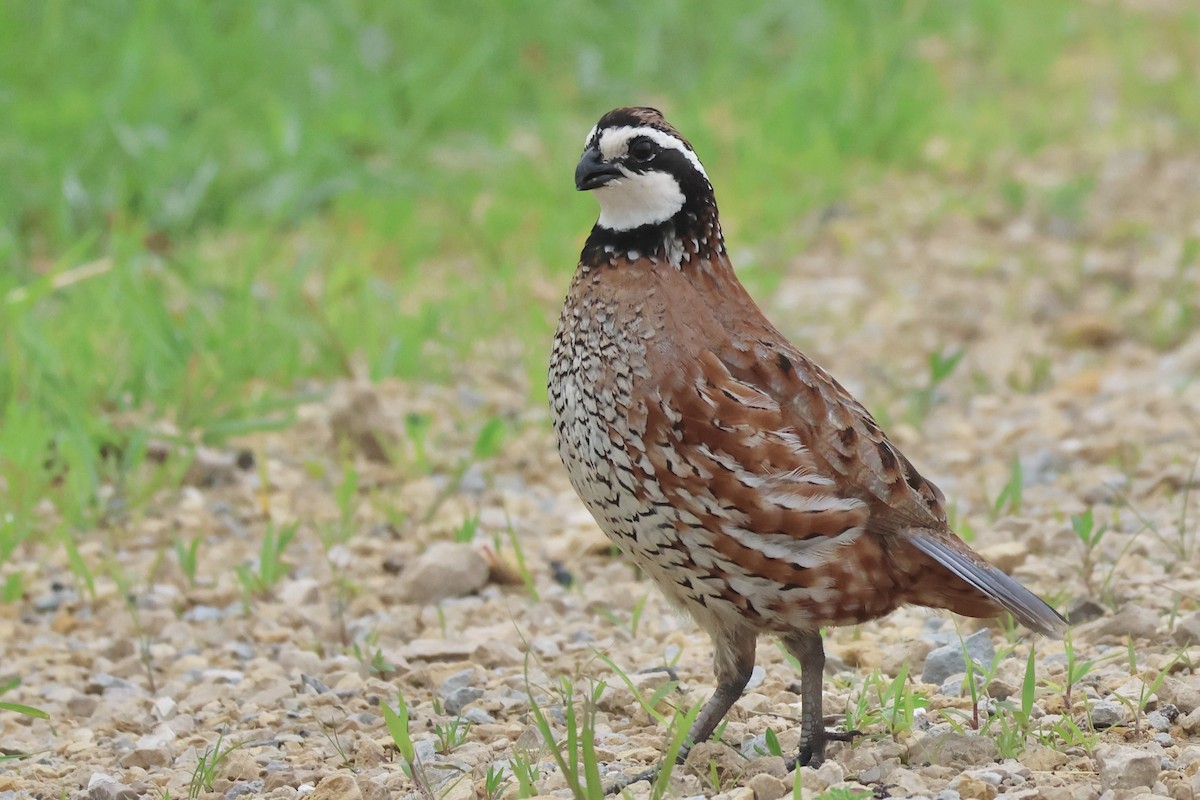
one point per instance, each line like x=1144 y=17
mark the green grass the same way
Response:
x=209 y=208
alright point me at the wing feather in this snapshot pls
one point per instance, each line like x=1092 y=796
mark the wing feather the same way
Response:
x=1029 y=609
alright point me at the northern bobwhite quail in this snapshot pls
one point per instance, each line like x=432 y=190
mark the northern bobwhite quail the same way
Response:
x=757 y=493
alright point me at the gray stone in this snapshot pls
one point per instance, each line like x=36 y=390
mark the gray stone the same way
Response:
x=1158 y=721
x=313 y=683
x=48 y=603
x=203 y=614
x=755 y=747
x=165 y=708
x=953 y=686
x=155 y=749
x=300 y=592
x=909 y=782
x=444 y=570
x=910 y=653
x=1084 y=610
x=1126 y=767
x=1131 y=620
x=477 y=716
x=1183 y=693
x=102 y=683
x=767 y=787
x=82 y=706
x=1107 y=713
x=464 y=677
x=243 y=651
x=239 y=789
x=337 y=786
x=1189 y=756
x=459 y=690
x=455 y=701
x=956 y=750
x=230 y=676
x=1187 y=630
x=104 y=787
x=945 y=661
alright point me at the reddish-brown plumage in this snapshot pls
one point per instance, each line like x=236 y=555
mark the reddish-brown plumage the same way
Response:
x=738 y=474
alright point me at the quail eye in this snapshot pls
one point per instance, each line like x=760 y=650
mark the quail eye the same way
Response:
x=642 y=150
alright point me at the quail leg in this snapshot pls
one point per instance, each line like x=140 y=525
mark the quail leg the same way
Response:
x=733 y=663
x=808 y=649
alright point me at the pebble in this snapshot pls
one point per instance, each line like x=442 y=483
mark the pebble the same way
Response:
x=948 y=660
x=954 y=750
x=1191 y=722
x=444 y=570
x=953 y=686
x=1123 y=767
x=105 y=787
x=909 y=651
x=767 y=787
x=298 y=593
x=165 y=708
x=314 y=684
x=359 y=417
x=239 y=765
x=1158 y=720
x=1107 y=713
x=82 y=706
x=904 y=782
x=1007 y=556
x=242 y=789
x=203 y=614
x=152 y=750
x=459 y=690
x=707 y=757
x=51 y=602
x=477 y=716
x=972 y=788
x=1131 y=620
x=336 y=786
x=242 y=651
x=830 y=773
x=1044 y=759
x=1084 y=610
x=1187 y=630
x=1183 y=693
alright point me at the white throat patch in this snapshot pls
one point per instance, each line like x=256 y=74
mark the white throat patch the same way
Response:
x=639 y=199
x=636 y=200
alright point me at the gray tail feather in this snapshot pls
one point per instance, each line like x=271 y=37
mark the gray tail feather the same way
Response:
x=1029 y=609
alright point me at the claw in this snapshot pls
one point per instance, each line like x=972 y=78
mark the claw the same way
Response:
x=812 y=753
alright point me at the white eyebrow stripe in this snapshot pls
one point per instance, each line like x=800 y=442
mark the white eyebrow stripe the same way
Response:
x=614 y=141
x=588 y=141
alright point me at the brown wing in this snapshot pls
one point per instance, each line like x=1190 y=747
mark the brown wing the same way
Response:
x=719 y=451
x=848 y=445
x=842 y=436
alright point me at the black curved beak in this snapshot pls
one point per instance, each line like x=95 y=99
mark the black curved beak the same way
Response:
x=592 y=172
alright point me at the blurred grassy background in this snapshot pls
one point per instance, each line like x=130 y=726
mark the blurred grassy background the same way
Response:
x=208 y=209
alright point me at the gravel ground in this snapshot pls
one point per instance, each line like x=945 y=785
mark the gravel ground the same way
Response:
x=1078 y=323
